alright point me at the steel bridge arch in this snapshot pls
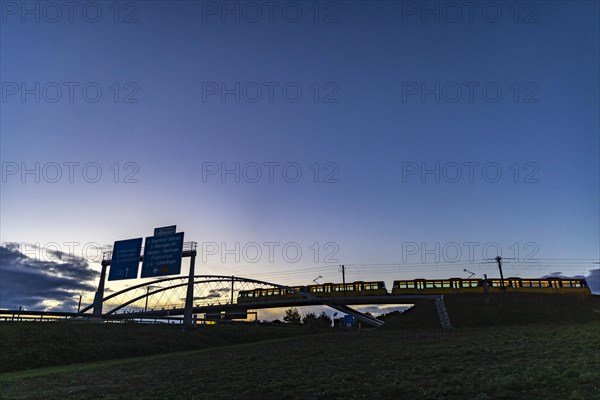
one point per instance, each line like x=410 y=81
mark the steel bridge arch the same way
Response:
x=208 y=279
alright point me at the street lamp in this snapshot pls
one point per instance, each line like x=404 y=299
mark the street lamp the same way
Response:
x=79 y=305
x=147 y=291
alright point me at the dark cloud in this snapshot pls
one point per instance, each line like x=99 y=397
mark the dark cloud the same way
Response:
x=28 y=282
x=593 y=279
x=560 y=275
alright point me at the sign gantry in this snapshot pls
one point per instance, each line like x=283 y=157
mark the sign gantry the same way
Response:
x=162 y=256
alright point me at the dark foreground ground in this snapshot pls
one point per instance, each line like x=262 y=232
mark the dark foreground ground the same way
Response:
x=26 y=345
x=551 y=361
x=502 y=347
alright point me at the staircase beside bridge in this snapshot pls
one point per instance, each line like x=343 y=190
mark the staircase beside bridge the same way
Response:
x=442 y=313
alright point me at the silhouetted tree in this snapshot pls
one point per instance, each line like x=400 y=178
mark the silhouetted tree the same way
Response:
x=324 y=319
x=309 y=319
x=292 y=316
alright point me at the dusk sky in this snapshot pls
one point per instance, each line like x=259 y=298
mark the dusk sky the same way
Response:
x=386 y=137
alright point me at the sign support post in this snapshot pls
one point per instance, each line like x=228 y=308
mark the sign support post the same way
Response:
x=100 y=292
x=189 y=298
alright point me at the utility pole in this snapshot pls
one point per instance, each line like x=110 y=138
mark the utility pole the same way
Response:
x=499 y=261
x=343 y=271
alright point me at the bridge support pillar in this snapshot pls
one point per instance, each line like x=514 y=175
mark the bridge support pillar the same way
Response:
x=189 y=298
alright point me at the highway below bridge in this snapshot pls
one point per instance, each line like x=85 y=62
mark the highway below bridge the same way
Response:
x=340 y=303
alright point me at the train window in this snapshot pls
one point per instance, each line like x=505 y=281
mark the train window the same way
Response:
x=446 y=284
x=429 y=285
x=535 y=283
x=349 y=287
x=526 y=283
x=410 y=285
x=576 y=284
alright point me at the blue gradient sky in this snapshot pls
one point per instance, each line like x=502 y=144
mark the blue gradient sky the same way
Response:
x=368 y=133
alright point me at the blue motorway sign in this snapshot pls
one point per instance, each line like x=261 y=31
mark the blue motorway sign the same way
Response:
x=125 y=260
x=162 y=255
x=348 y=320
x=165 y=230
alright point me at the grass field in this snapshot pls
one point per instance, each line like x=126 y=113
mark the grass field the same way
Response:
x=550 y=361
x=502 y=347
x=25 y=345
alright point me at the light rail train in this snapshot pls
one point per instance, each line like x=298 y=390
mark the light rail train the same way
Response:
x=452 y=286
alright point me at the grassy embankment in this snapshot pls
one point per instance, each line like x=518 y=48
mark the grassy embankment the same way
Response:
x=25 y=345
x=555 y=356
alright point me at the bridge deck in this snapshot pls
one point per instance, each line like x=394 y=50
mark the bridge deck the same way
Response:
x=236 y=307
